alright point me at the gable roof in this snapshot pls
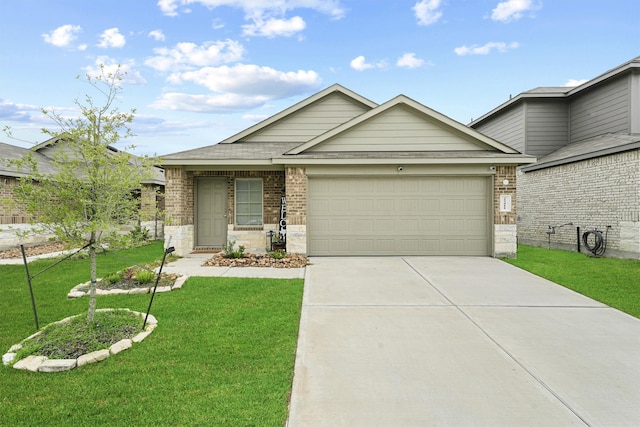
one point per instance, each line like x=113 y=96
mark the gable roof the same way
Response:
x=45 y=163
x=601 y=145
x=13 y=152
x=632 y=65
x=475 y=138
x=333 y=89
x=431 y=138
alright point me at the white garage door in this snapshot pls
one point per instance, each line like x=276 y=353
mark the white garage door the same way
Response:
x=398 y=216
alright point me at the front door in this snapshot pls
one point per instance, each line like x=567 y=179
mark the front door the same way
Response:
x=211 y=212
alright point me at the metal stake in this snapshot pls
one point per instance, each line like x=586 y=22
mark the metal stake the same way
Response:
x=164 y=256
x=33 y=301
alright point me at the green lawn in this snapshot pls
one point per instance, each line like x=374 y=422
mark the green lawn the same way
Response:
x=615 y=282
x=222 y=354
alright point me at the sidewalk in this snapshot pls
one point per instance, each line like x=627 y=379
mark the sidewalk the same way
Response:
x=192 y=265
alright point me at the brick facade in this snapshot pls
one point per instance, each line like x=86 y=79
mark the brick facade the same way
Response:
x=11 y=213
x=592 y=193
x=296 y=183
x=273 y=184
x=503 y=174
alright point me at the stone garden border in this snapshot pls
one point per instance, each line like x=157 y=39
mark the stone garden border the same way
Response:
x=82 y=289
x=44 y=364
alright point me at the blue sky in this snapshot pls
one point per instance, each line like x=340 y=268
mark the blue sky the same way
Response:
x=200 y=71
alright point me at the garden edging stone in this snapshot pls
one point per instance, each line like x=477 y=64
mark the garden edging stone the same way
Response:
x=82 y=289
x=44 y=364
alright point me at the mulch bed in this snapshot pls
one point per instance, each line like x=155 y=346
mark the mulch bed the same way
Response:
x=258 y=260
x=33 y=250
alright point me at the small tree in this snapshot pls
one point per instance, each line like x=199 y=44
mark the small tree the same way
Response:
x=91 y=194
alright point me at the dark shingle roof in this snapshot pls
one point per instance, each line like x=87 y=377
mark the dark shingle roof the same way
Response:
x=12 y=152
x=601 y=145
x=240 y=150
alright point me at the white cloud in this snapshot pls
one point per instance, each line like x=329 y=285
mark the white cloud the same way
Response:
x=189 y=55
x=236 y=88
x=485 y=49
x=158 y=35
x=360 y=64
x=108 y=65
x=248 y=79
x=212 y=103
x=62 y=36
x=259 y=7
x=575 y=82
x=409 y=60
x=255 y=118
x=274 y=27
x=427 y=11
x=512 y=10
x=111 y=38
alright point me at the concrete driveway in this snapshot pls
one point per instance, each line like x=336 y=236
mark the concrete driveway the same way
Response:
x=458 y=341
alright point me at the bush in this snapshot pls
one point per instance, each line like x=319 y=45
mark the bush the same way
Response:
x=231 y=252
x=278 y=254
x=145 y=276
x=115 y=277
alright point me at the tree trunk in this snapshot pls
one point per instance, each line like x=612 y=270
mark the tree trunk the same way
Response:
x=92 y=286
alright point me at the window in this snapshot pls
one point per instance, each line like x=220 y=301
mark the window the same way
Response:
x=249 y=202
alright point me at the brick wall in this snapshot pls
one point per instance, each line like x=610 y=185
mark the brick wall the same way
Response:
x=272 y=191
x=296 y=180
x=503 y=173
x=591 y=193
x=10 y=212
x=178 y=197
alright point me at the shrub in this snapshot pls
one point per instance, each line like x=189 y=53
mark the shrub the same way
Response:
x=115 y=277
x=145 y=276
x=279 y=254
x=231 y=252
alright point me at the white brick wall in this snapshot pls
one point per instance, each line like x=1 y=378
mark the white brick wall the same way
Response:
x=591 y=193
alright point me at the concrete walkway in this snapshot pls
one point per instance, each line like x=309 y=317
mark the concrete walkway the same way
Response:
x=445 y=341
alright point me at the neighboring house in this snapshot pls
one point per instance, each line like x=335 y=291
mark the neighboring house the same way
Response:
x=13 y=216
x=587 y=141
x=359 y=179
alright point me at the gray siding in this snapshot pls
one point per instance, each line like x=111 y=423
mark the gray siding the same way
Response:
x=399 y=129
x=311 y=121
x=507 y=127
x=602 y=110
x=547 y=126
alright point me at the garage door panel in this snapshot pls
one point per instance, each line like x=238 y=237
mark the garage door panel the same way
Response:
x=398 y=216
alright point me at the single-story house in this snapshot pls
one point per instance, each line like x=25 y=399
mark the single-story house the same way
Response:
x=357 y=178
x=587 y=176
x=13 y=216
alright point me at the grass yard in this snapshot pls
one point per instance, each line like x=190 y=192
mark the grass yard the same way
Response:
x=615 y=282
x=222 y=354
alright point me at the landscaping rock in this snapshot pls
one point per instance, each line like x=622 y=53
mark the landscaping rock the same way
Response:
x=30 y=363
x=7 y=358
x=179 y=282
x=139 y=291
x=257 y=260
x=163 y=289
x=15 y=348
x=57 y=365
x=75 y=294
x=93 y=357
x=141 y=336
x=120 y=346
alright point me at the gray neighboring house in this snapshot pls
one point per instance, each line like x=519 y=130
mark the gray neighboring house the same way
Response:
x=358 y=178
x=14 y=218
x=587 y=141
